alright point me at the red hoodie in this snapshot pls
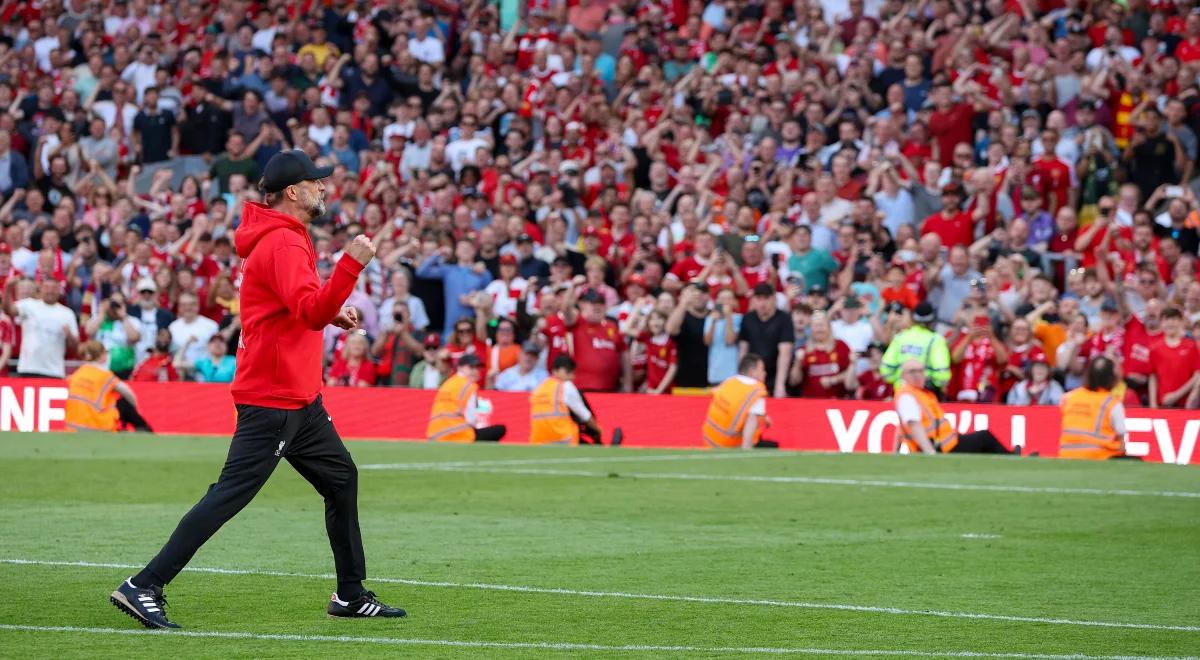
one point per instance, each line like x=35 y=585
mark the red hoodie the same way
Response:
x=284 y=310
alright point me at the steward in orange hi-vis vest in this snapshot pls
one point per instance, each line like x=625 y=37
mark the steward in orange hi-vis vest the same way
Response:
x=550 y=420
x=1087 y=425
x=933 y=420
x=731 y=406
x=92 y=400
x=452 y=418
x=923 y=428
x=447 y=419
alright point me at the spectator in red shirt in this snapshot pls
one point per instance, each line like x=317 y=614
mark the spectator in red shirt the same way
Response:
x=662 y=358
x=353 y=366
x=1140 y=335
x=1109 y=340
x=599 y=351
x=159 y=365
x=952 y=224
x=871 y=385
x=1175 y=381
x=824 y=369
x=1051 y=176
x=950 y=123
x=978 y=357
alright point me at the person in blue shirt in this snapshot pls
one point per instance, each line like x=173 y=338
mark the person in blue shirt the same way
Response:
x=720 y=335
x=460 y=279
x=218 y=365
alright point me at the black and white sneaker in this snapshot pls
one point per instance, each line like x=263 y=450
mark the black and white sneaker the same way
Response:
x=147 y=606
x=366 y=605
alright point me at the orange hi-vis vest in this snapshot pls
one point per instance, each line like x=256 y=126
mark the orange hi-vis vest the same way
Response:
x=1087 y=428
x=550 y=421
x=92 y=400
x=729 y=410
x=937 y=429
x=448 y=419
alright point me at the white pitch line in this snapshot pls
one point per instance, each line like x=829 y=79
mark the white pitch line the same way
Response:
x=873 y=609
x=570 y=646
x=691 y=456
x=824 y=481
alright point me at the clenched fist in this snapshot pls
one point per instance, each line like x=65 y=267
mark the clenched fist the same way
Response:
x=362 y=249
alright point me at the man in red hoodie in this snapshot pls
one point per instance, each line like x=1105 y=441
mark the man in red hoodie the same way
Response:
x=277 y=390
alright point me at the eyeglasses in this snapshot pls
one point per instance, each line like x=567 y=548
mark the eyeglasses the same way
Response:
x=1147 y=282
x=1106 y=210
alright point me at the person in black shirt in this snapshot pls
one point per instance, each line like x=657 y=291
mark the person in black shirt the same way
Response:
x=1187 y=237
x=1152 y=157
x=205 y=127
x=686 y=325
x=768 y=333
x=154 y=133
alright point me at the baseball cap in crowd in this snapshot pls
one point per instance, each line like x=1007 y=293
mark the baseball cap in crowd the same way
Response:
x=637 y=279
x=1109 y=305
x=508 y=260
x=287 y=168
x=923 y=312
x=531 y=348
x=5 y=248
x=1031 y=114
x=816 y=290
x=469 y=360
x=852 y=302
x=1029 y=192
x=146 y=284
x=432 y=340
x=764 y=290
x=524 y=238
x=561 y=261
x=1037 y=355
x=591 y=296
x=589 y=231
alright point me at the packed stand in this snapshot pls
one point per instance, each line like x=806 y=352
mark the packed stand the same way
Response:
x=653 y=187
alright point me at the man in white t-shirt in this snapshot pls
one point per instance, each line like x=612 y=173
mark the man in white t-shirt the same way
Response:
x=48 y=330
x=424 y=45
x=853 y=329
x=190 y=332
x=462 y=151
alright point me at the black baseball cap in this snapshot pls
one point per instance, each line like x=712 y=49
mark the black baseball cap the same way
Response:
x=469 y=360
x=591 y=296
x=287 y=168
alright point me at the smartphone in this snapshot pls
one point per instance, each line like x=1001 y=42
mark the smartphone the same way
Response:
x=1173 y=191
x=982 y=322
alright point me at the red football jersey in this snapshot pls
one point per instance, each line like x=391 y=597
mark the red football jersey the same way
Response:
x=597 y=348
x=818 y=364
x=1174 y=365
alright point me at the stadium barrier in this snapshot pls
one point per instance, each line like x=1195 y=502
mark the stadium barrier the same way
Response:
x=803 y=424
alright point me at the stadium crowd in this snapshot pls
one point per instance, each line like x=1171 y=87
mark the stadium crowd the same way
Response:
x=653 y=186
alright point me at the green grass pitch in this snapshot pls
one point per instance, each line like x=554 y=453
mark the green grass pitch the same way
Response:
x=618 y=553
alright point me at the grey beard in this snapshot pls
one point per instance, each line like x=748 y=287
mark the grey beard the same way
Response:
x=316 y=208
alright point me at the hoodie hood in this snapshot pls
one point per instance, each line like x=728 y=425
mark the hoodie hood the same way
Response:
x=258 y=221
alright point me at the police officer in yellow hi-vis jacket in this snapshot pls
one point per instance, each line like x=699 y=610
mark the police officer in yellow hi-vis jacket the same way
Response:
x=737 y=414
x=923 y=426
x=96 y=399
x=1093 y=416
x=452 y=418
x=557 y=410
